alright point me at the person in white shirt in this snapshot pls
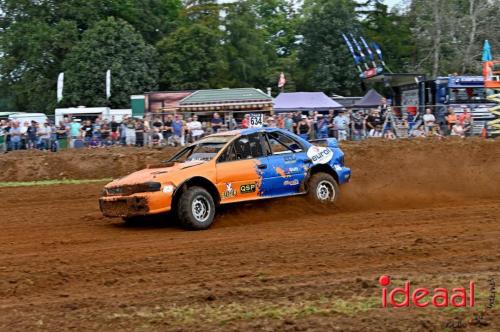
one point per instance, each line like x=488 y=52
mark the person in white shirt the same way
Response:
x=341 y=124
x=45 y=135
x=195 y=128
x=429 y=121
x=458 y=130
x=376 y=132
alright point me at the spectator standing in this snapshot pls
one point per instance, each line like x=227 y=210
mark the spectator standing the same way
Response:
x=373 y=119
x=74 y=131
x=106 y=134
x=341 y=124
x=31 y=133
x=123 y=130
x=178 y=131
x=62 y=136
x=289 y=122
x=167 y=128
x=245 y=123
x=358 y=123
x=195 y=129
x=87 y=132
x=114 y=126
x=466 y=120
x=216 y=123
x=429 y=121
x=303 y=128
x=451 y=119
x=297 y=117
x=3 y=124
x=129 y=132
x=139 y=133
x=6 y=130
x=323 y=127
x=15 y=136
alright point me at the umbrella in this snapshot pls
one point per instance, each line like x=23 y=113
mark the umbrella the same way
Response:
x=487 y=51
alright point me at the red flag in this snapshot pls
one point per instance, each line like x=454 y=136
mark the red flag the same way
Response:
x=282 y=81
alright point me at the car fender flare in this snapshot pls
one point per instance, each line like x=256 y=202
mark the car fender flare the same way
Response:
x=196 y=181
x=319 y=168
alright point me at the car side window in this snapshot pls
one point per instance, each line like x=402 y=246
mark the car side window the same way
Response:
x=280 y=143
x=245 y=147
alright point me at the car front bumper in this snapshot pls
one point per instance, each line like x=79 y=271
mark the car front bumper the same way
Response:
x=135 y=205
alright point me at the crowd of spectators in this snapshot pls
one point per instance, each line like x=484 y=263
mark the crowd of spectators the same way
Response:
x=175 y=130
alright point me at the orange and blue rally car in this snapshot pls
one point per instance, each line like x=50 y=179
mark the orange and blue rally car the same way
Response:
x=229 y=167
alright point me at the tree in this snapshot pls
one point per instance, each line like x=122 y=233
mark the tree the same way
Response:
x=392 y=31
x=248 y=53
x=110 y=44
x=324 y=60
x=36 y=36
x=32 y=54
x=192 y=58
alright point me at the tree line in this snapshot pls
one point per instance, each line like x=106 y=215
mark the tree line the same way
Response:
x=197 y=44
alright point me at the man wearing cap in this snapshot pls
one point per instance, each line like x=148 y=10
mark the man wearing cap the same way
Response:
x=303 y=128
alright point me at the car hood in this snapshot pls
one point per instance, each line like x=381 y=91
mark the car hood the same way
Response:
x=152 y=174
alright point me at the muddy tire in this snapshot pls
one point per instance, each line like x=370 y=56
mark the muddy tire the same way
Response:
x=323 y=188
x=196 y=209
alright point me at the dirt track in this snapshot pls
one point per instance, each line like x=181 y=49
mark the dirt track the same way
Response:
x=426 y=212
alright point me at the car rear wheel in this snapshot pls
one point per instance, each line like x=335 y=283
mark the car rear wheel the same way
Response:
x=323 y=188
x=196 y=209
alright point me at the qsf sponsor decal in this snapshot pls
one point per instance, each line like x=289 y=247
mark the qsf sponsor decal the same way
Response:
x=230 y=192
x=293 y=170
x=248 y=188
x=319 y=155
x=291 y=183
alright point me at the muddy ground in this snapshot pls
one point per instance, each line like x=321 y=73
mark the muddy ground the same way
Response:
x=425 y=211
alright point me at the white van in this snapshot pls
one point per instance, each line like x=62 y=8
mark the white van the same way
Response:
x=28 y=117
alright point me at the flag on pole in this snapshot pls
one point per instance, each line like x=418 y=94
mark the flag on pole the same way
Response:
x=487 y=51
x=282 y=81
x=360 y=51
x=369 y=50
x=60 y=87
x=351 y=49
x=108 y=84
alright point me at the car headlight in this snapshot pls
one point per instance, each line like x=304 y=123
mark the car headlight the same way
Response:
x=168 y=188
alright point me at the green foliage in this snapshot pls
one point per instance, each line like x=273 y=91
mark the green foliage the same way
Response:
x=192 y=58
x=110 y=44
x=248 y=55
x=32 y=56
x=211 y=44
x=323 y=58
x=392 y=31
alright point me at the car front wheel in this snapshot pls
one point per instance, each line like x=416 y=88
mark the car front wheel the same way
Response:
x=323 y=188
x=196 y=209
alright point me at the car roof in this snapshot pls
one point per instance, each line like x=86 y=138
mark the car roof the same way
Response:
x=250 y=131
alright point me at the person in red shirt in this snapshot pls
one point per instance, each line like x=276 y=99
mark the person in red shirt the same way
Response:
x=246 y=121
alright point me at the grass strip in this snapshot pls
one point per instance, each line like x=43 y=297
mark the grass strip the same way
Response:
x=51 y=182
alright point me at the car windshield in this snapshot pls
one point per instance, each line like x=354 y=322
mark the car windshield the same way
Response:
x=204 y=150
